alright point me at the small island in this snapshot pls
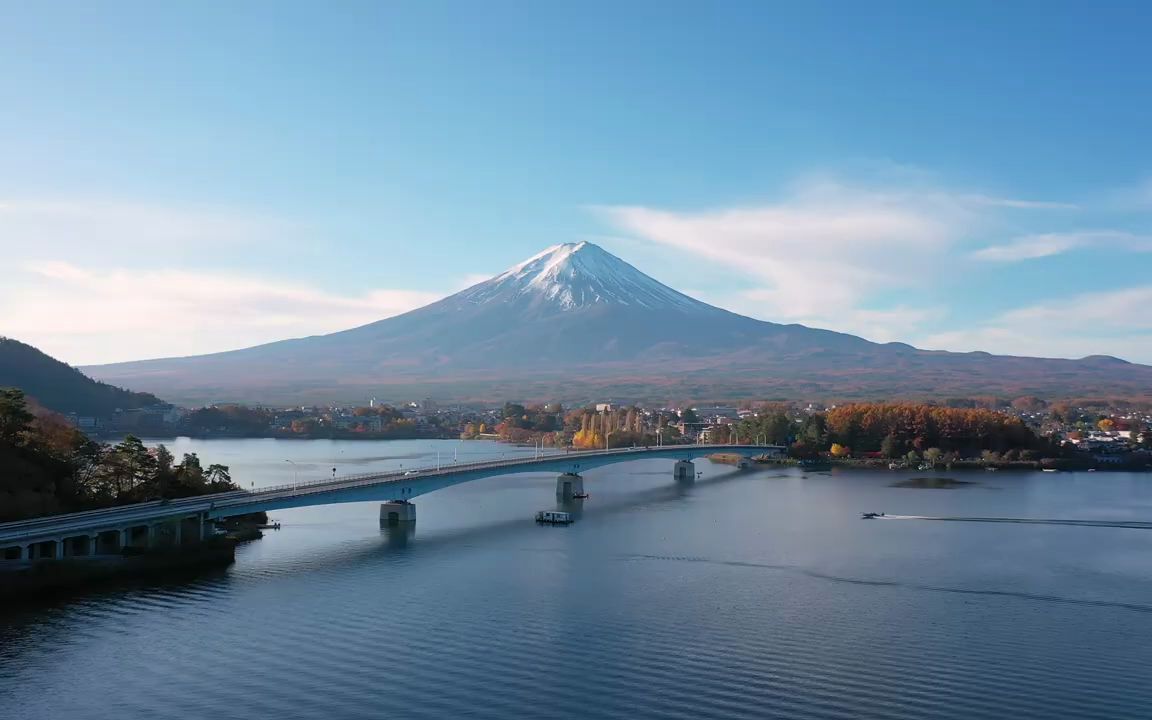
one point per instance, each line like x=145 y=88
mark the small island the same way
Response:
x=48 y=467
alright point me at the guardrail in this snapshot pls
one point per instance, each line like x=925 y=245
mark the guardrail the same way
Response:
x=360 y=480
x=95 y=514
x=239 y=497
x=342 y=480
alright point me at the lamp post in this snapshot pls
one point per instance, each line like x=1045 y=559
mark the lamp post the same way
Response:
x=295 y=477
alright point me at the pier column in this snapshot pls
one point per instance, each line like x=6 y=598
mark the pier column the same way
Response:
x=569 y=485
x=743 y=463
x=108 y=542
x=137 y=536
x=397 y=512
x=72 y=546
x=45 y=550
x=161 y=535
x=684 y=470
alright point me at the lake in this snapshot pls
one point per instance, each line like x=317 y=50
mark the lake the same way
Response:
x=757 y=593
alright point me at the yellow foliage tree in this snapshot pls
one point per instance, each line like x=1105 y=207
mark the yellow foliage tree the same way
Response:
x=1106 y=424
x=839 y=450
x=588 y=439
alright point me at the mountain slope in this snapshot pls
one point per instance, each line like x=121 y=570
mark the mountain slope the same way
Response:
x=576 y=316
x=60 y=387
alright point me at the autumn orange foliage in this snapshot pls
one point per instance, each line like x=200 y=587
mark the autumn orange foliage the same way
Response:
x=863 y=427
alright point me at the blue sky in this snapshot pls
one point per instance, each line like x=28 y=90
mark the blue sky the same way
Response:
x=181 y=178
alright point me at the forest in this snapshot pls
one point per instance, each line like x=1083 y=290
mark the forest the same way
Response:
x=47 y=466
x=586 y=428
x=888 y=429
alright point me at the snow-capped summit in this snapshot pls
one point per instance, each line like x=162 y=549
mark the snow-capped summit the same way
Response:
x=575 y=275
x=575 y=316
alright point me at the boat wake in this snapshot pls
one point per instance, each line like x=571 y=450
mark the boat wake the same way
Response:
x=1035 y=597
x=1131 y=524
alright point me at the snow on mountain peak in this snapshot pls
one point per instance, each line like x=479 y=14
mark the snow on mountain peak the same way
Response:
x=574 y=275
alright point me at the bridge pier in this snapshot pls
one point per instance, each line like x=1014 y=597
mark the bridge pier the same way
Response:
x=75 y=546
x=43 y=550
x=137 y=536
x=398 y=536
x=684 y=470
x=569 y=485
x=106 y=543
x=397 y=512
x=743 y=463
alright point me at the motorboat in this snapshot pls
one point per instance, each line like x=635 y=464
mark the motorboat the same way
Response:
x=870 y=515
x=581 y=496
x=553 y=517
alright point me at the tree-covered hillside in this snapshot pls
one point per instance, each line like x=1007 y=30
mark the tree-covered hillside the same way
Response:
x=49 y=467
x=60 y=387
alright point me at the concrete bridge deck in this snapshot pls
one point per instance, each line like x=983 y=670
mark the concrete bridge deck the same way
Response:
x=112 y=529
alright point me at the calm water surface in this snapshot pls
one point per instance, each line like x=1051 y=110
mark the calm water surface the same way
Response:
x=747 y=594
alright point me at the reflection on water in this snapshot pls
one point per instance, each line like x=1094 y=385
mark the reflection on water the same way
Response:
x=744 y=594
x=397 y=537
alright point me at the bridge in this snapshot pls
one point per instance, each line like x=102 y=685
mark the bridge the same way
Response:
x=190 y=521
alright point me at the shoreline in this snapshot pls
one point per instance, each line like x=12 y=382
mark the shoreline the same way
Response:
x=32 y=583
x=1047 y=464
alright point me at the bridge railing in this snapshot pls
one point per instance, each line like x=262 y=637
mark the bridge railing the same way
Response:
x=374 y=478
x=236 y=497
x=97 y=514
x=423 y=471
x=345 y=481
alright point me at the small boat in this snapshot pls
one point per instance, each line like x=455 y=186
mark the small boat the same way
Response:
x=581 y=496
x=1049 y=469
x=553 y=517
x=870 y=515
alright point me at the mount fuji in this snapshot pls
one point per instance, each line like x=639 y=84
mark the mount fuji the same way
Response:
x=575 y=321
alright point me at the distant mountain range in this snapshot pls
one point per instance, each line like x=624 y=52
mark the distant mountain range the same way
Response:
x=576 y=322
x=62 y=388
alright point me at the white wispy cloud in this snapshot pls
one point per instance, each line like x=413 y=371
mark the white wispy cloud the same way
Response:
x=1113 y=322
x=86 y=316
x=864 y=258
x=1015 y=203
x=474 y=279
x=84 y=227
x=825 y=253
x=129 y=280
x=1031 y=247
